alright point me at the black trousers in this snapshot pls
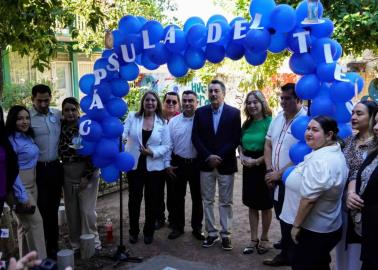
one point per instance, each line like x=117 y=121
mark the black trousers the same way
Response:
x=142 y=181
x=278 y=209
x=313 y=250
x=49 y=178
x=187 y=172
x=167 y=181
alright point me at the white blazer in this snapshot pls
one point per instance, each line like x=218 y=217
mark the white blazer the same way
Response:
x=159 y=141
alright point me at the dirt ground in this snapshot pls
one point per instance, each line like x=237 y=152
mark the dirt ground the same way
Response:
x=185 y=247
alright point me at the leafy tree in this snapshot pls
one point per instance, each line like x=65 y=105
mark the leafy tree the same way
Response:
x=29 y=26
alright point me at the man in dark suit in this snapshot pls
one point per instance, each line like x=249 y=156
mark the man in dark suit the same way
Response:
x=216 y=135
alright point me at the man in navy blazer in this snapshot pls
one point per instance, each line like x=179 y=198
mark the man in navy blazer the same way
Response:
x=216 y=135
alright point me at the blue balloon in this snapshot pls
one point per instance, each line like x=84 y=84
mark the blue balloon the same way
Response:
x=107 y=52
x=146 y=62
x=254 y=58
x=343 y=112
x=322 y=105
x=321 y=30
x=299 y=126
x=216 y=18
x=298 y=151
x=317 y=50
x=112 y=127
x=110 y=174
x=354 y=77
x=194 y=58
x=225 y=33
x=293 y=42
x=129 y=72
x=345 y=130
x=302 y=63
x=177 y=66
x=244 y=28
x=179 y=44
x=142 y=20
x=134 y=40
x=100 y=162
x=92 y=129
x=342 y=91
x=120 y=88
x=104 y=90
x=301 y=11
x=235 y=51
x=129 y=24
x=116 y=107
x=197 y=36
x=158 y=55
x=215 y=53
x=326 y=72
x=191 y=22
x=124 y=162
x=278 y=42
x=282 y=18
x=339 y=49
x=257 y=40
x=107 y=148
x=86 y=83
x=307 y=86
x=85 y=103
x=286 y=173
x=88 y=148
x=263 y=7
x=155 y=31
x=101 y=63
x=118 y=38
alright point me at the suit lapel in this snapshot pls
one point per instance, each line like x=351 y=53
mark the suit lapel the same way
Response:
x=139 y=126
x=210 y=120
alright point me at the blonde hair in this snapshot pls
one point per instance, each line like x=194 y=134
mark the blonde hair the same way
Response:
x=266 y=111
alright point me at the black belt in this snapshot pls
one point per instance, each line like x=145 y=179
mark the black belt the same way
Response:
x=184 y=160
x=48 y=163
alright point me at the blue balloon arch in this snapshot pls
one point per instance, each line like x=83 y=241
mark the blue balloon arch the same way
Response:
x=273 y=29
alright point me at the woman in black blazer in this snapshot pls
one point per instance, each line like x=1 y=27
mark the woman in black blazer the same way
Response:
x=367 y=188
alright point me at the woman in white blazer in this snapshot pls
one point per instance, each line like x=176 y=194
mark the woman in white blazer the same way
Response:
x=148 y=141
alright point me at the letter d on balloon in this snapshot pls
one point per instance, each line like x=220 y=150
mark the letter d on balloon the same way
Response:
x=83 y=130
x=214 y=28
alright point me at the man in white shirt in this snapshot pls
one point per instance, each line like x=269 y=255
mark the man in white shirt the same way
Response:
x=276 y=155
x=183 y=168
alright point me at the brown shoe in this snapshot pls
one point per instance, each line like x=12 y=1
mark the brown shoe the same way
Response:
x=278 y=260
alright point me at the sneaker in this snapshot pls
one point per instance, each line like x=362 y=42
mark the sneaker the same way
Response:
x=210 y=241
x=226 y=244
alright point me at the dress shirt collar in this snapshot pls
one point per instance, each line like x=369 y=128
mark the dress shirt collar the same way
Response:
x=219 y=110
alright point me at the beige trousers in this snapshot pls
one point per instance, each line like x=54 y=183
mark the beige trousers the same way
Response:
x=80 y=203
x=30 y=227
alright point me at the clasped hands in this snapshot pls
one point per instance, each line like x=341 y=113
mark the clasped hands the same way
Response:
x=248 y=161
x=272 y=177
x=214 y=161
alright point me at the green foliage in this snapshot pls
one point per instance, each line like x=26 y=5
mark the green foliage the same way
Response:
x=20 y=94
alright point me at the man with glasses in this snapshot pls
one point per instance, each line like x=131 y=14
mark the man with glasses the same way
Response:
x=183 y=168
x=276 y=155
x=171 y=108
x=216 y=135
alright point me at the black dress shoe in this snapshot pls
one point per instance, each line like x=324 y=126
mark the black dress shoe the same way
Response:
x=277 y=245
x=148 y=239
x=175 y=234
x=159 y=224
x=198 y=235
x=133 y=239
x=276 y=261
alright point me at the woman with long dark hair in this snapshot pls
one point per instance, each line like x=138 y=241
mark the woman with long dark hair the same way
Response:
x=30 y=225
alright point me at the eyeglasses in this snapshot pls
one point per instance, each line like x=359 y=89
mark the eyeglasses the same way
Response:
x=171 y=101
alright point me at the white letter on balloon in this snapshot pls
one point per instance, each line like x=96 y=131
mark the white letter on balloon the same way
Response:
x=114 y=64
x=171 y=35
x=238 y=30
x=302 y=42
x=99 y=75
x=96 y=102
x=125 y=53
x=86 y=131
x=214 y=28
x=146 y=40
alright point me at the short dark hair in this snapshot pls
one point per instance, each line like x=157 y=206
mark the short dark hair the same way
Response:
x=71 y=100
x=216 y=81
x=327 y=124
x=289 y=86
x=190 y=92
x=172 y=93
x=40 y=88
x=11 y=125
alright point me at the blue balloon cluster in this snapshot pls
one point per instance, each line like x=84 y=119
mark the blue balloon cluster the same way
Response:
x=272 y=29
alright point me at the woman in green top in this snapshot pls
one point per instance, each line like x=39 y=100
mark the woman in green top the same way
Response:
x=256 y=194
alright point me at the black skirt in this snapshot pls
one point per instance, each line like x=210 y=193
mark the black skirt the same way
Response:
x=256 y=193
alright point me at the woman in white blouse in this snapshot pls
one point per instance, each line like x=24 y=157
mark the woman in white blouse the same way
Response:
x=312 y=206
x=148 y=141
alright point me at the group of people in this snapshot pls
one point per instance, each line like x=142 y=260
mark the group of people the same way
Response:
x=38 y=160
x=322 y=200
x=327 y=201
